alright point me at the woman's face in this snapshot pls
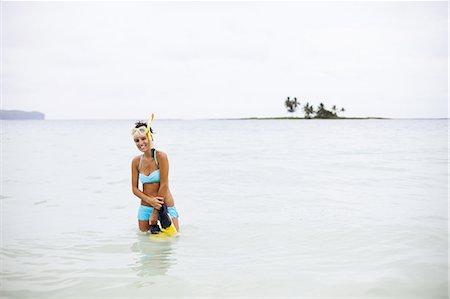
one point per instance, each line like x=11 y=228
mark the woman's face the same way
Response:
x=141 y=142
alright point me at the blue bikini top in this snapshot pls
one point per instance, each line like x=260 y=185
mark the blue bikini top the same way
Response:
x=152 y=177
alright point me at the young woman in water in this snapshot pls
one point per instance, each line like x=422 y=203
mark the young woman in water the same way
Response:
x=152 y=169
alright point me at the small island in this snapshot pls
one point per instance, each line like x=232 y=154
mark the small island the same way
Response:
x=287 y=117
x=21 y=115
x=311 y=112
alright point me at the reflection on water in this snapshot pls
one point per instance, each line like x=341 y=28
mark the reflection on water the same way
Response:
x=155 y=255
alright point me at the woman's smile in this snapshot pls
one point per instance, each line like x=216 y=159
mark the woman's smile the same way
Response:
x=141 y=143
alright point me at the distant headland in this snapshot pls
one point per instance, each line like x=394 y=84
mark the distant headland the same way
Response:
x=21 y=115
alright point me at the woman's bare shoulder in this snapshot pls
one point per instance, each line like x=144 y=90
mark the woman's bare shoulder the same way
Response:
x=135 y=160
x=161 y=155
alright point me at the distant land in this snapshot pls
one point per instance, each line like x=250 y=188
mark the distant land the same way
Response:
x=338 y=117
x=21 y=115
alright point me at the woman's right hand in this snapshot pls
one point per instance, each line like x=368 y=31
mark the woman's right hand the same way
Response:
x=156 y=202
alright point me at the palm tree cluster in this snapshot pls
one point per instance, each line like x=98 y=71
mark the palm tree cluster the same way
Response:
x=311 y=112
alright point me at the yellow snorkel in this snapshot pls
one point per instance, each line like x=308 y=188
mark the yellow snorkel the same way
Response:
x=149 y=135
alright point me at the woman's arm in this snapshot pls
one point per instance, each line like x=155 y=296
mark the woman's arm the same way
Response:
x=163 y=174
x=153 y=201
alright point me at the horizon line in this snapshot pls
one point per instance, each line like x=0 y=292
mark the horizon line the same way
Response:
x=237 y=118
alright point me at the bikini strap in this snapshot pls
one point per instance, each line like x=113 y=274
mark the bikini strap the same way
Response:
x=154 y=156
x=140 y=163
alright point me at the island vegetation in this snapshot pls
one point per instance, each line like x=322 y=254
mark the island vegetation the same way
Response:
x=311 y=112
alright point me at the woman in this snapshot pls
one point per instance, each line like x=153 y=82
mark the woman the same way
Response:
x=152 y=169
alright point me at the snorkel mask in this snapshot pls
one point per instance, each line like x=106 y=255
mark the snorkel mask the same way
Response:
x=144 y=130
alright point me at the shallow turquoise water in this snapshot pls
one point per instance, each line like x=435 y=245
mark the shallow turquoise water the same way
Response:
x=273 y=208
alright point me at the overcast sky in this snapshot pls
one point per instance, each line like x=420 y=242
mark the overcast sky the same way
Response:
x=123 y=60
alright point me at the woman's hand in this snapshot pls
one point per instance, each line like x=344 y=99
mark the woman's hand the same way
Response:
x=156 y=202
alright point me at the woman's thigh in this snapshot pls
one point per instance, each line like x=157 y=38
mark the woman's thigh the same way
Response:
x=169 y=199
x=176 y=224
x=144 y=213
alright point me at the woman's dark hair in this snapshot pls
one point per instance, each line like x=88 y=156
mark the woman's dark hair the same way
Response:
x=139 y=124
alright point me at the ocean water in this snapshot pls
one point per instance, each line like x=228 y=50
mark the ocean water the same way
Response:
x=268 y=209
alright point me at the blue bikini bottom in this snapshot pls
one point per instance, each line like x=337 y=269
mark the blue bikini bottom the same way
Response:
x=145 y=212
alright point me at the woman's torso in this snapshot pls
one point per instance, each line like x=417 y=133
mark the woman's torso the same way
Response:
x=150 y=177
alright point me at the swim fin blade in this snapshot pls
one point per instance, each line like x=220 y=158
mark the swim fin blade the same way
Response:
x=170 y=230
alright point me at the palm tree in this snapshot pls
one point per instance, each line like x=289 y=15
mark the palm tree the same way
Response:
x=296 y=104
x=334 y=108
x=291 y=105
x=320 y=109
x=324 y=113
x=308 y=110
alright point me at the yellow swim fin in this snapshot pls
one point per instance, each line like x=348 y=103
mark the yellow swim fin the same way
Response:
x=167 y=227
x=169 y=230
x=166 y=233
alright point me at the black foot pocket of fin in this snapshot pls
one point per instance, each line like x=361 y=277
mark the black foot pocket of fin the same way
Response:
x=164 y=217
x=155 y=229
